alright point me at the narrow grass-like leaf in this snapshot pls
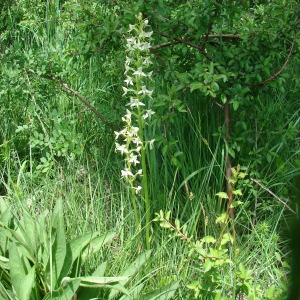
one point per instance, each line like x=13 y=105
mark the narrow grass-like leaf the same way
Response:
x=134 y=292
x=5 y=294
x=100 y=271
x=131 y=270
x=17 y=237
x=164 y=293
x=102 y=280
x=97 y=243
x=74 y=250
x=65 y=292
x=88 y=293
x=98 y=282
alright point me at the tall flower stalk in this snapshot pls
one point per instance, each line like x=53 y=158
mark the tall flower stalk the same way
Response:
x=138 y=114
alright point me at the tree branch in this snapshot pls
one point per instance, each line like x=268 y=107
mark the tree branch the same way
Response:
x=275 y=196
x=285 y=63
x=80 y=97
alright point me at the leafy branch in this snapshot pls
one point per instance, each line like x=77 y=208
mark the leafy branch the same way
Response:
x=79 y=96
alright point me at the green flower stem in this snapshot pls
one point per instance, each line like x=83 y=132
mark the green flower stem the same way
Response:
x=135 y=210
x=146 y=195
x=145 y=191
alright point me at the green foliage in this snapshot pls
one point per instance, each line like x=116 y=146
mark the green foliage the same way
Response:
x=38 y=263
x=40 y=260
x=215 y=260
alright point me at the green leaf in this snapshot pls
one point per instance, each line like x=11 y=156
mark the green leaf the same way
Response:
x=231 y=152
x=177 y=224
x=237 y=192
x=29 y=232
x=59 y=246
x=208 y=265
x=134 y=293
x=196 y=86
x=235 y=105
x=93 y=281
x=222 y=195
x=97 y=243
x=227 y=237
x=222 y=219
x=242 y=175
x=208 y=239
x=269 y=294
x=66 y=291
x=194 y=285
x=100 y=271
x=235 y=204
x=223 y=98
x=88 y=293
x=164 y=293
x=74 y=251
x=165 y=225
x=131 y=270
x=22 y=275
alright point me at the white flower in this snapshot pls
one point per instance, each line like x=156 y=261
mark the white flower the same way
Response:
x=128 y=80
x=132 y=132
x=128 y=114
x=144 y=91
x=137 y=189
x=139 y=172
x=121 y=148
x=148 y=114
x=127 y=61
x=145 y=34
x=117 y=133
x=138 y=45
x=126 y=90
x=135 y=130
x=138 y=142
x=131 y=27
x=131 y=40
x=133 y=159
x=139 y=72
x=122 y=132
x=129 y=47
x=147 y=61
x=135 y=102
x=145 y=46
x=127 y=68
x=151 y=144
x=126 y=173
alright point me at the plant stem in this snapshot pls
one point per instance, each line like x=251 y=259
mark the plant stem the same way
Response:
x=145 y=190
x=135 y=210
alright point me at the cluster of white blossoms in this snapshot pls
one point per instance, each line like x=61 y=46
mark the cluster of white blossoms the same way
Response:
x=138 y=112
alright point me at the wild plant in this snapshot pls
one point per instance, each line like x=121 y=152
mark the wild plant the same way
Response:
x=138 y=114
x=215 y=258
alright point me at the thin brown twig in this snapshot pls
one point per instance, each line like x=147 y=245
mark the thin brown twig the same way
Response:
x=80 y=97
x=285 y=63
x=270 y=192
x=188 y=41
